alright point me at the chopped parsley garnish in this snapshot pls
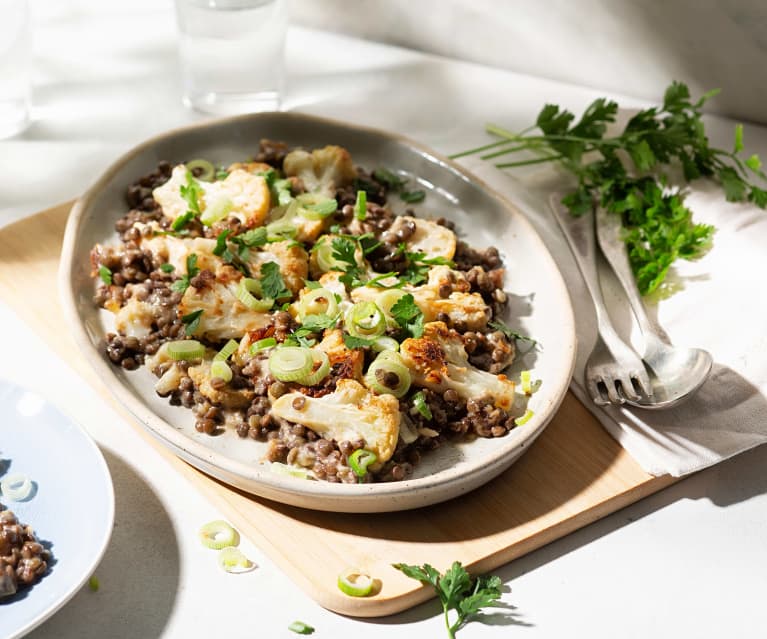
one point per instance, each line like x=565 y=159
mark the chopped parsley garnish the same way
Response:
x=301 y=628
x=407 y=314
x=105 y=274
x=190 y=192
x=167 y=267
x=419 y=401
x=344 y=250
x=221 y=246
x=181 y=284
x=312 y=285
x=235 y=250
x=390 y=179
x=457 y=591
x=412 y=197
x=351 y=342
x=417 y=266
x=270 y=175
x=272 y=284
x=511 y=334
x=253 y=237
x=192 y=321
x=222 y=174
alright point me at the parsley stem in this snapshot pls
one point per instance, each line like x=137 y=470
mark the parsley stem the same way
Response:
x=479 y=149
x=548 y=158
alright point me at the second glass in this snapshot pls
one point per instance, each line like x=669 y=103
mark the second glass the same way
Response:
x=232 y=54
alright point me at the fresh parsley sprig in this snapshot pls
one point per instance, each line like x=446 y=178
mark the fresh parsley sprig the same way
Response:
x=457 y=591
x=190 y=192
x=511 y=334
x=629 y=173
x=394 y=182
x=181 y=284
x=407 y=314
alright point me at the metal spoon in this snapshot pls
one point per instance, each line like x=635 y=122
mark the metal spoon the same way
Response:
x=675 y=373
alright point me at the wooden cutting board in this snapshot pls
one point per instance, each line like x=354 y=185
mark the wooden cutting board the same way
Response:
x=573 y=474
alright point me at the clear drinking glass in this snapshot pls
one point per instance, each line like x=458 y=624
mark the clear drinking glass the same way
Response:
x=232 y=54
x=15 y=66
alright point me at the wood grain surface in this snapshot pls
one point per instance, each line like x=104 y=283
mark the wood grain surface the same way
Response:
x=572 y=475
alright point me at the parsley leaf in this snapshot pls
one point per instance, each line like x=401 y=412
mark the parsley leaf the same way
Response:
x=412 y=197
x=457 y=591
x=190 y=192
x=407 y=314
x=253 y=237
x=167 y=267
x=390 y=179
x=351 y=342
x=105 y=274
x=181 y=284
x=510 y=334
x=272 y=284
x=192 y=321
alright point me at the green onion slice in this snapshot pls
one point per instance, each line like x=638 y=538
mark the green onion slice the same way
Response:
x=365 y=319
x=325 y=258
x=262 y=344
x=301 y=628
x=16 y=487
x=232 y=560
x=360 y=459
x=316 y=207
x=218 y=534
x=219 y=368
x=521 y=421
x=246 y=292
x=227 y=351
x=291 y=363
x=361 y=205
x=319 y=301
x=185 y=349
x=282 y=189
x=93 y=583
x=320 y=366
x=388 y=375
x=419 y=401
x=216 y=210
x=283 y=469
x=385 y=343
x=207 y=170
x=355 y=583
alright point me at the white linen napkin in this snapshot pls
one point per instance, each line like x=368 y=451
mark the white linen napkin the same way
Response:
x=720 y=305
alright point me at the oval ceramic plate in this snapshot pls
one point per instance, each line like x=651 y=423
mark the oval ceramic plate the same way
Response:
x=71 y=508
x=539 y=306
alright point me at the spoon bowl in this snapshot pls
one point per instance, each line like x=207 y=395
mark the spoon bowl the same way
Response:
x=675 y=373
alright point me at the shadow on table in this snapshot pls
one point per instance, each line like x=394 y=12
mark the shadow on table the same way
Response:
x=138 y=575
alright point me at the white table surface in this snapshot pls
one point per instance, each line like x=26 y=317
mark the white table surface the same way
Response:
x=688 y=562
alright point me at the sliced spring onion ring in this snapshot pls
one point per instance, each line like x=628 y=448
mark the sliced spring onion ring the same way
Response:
x=321 y=368
x=226 y=352
x=388 y=363
x=185 y=349
x=219 y=368
x=218 y=534
x=359 y=461
x=246 y=292
x=207 y=170
x=216 y=210
x=316 y=207
x=325 y=259
x=419 y=401
x=283 y=469
x=16 y=487
x=365 y=319
x=291 y=363
x=282 y=190
x=354 y=583
x=385 y=343
x=262 y=344
x=301 y=628
x=319 y=301
x=361 y=205
x=525 y=378
x=232 y=560
x=280 y=230
x=521 y=421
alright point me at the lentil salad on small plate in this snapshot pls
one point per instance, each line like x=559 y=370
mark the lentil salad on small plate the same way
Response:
x=333 y=303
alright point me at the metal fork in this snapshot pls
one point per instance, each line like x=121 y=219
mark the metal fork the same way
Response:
x=614 y=372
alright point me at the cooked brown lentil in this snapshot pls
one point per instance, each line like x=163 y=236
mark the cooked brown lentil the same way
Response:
x=23 y=559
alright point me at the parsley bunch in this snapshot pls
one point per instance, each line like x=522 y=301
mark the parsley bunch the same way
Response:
x=629 y=173
x=457 y=591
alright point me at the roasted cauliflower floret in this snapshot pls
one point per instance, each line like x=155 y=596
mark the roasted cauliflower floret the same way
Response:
x=460 y=306
x=292 y=259
x=439 y=362
x=227 y=396
x=350 y=412
x=176 y=250
x=321 y=171
x=429 y=237
x=347 y=363
x=247 y=194
x=135 y=318
x=250 y=167
x=223 y=315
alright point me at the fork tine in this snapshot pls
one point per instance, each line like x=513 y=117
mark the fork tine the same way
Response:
x=642 y=379
x=592 y=385
x=627 y=387
x=612 y=392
